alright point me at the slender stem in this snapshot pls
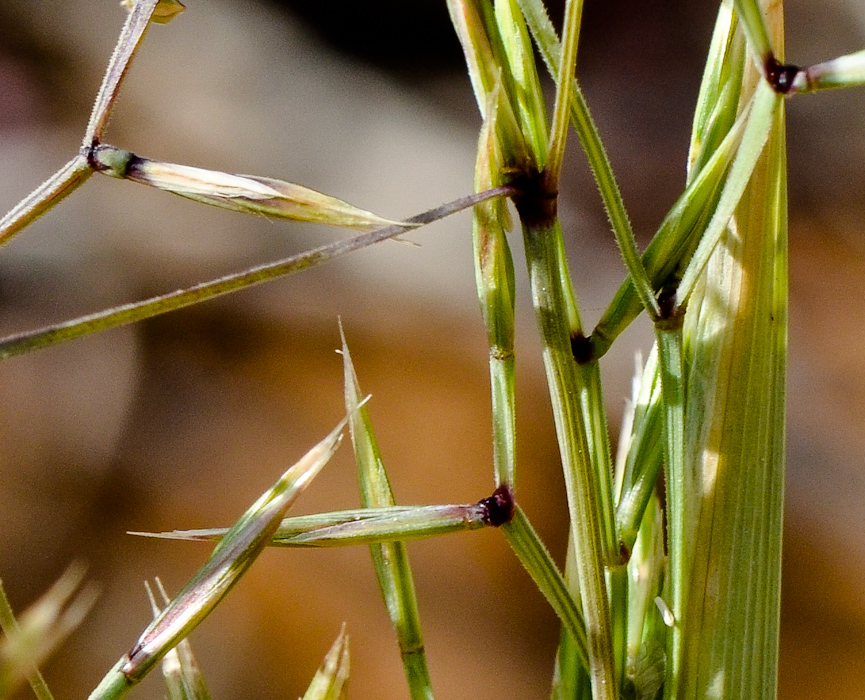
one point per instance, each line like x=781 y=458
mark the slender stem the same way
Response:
x=76 y=171
x=57 y=187
x=561 y=113
x=137 y=311
x=390 y=560
x=756 y=31
x=678 y=236
x=679 y=519
x=114 y=684
x=551 y=50
x=642 y=463
x=533 y=555
x=542 y=243
x=127 y=45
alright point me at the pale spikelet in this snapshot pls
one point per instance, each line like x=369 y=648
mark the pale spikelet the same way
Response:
x=166 y=10
x=231 y=558
x=244 y=193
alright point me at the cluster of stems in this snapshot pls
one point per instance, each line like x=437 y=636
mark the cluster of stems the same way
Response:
x=671 y=586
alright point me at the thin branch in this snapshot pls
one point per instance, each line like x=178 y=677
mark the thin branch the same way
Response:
x=128 y=313
x=57 y=187
x=127 y=45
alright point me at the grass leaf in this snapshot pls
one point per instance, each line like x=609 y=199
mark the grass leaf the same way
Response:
x=390 y=560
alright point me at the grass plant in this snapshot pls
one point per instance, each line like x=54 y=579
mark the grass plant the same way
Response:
x=671 y=588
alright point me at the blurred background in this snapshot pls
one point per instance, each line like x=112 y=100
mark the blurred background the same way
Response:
x=182 y=421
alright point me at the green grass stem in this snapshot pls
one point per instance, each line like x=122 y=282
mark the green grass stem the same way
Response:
x=496 y=287
x=564 y=88
x=751 y=15
x=642 y=460
x=681 y=499
x=554 y=312
x=550 y=48
x=536 y=559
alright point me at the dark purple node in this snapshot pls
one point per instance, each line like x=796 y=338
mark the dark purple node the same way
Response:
x=624 y=553
x=498 y=508
x=581 y=348
x=780 y=75
x=667 y=303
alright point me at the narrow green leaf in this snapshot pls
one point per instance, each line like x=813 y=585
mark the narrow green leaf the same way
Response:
x=641 y=452
x=766 y=106
x=390 y=560
x=720 y=89
x=683 y=228
x=735 y=344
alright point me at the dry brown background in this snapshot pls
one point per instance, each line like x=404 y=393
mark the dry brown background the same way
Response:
x=182 y=421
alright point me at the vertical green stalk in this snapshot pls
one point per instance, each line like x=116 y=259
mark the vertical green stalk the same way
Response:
x=679 y=502
x=648 y=669
x=494 y=278
x=564 y=89
x=593 y=413
x=570 y=679
x=552 y=52
x=637 y=471
x=553 y=309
